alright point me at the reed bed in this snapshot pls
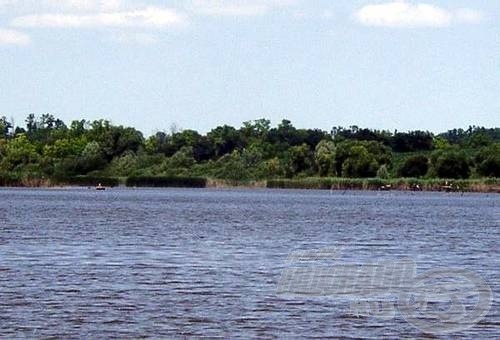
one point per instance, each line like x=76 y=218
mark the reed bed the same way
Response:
x=165 y=182
x=224 y=183
x=88 y=181
x=10 y=180
x=328 y=183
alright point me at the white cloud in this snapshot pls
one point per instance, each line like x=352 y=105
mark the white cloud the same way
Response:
x=86 y=5
x=31 y=6
x=404 y=14
x=238 y=7
x=12 y=37
x=153 y=17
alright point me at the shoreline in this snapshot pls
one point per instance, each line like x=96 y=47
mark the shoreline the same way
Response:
x=491 y=185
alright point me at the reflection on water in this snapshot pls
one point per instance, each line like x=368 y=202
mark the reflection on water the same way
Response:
x=163 y=263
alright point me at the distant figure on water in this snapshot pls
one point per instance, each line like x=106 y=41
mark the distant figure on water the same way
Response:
x=416 y=187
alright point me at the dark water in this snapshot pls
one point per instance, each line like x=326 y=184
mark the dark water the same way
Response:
x=182 y=263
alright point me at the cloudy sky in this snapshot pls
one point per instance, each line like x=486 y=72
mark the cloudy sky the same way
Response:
x=200 y=63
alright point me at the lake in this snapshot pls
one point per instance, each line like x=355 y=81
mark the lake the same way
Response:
x=128 y=263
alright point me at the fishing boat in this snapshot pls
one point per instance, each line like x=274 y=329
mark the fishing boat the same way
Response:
x=100 y=187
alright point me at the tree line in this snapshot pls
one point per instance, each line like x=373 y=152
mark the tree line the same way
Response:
x=47 y=147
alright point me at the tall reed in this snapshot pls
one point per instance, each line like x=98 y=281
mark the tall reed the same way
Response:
x=164 y=181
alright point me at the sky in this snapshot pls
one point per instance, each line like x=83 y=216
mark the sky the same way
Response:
x=196 y=64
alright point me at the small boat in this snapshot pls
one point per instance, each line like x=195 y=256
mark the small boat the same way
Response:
x=100 y=187
x=450 y=188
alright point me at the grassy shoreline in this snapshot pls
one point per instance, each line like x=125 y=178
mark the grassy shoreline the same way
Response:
x=490 y=185
x=486 y=185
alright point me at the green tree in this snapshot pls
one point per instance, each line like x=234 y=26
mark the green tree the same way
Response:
x=255 y=130
x=31 y=124
x=231 y=167
x=487 y=161
x=382 y=172
x=440 y=143
x=78 y=128
x=414 y=166
x=92 y=158
x=159 y=143
x=124 y=165
x=225 y=140
x=360 y=163
x=412 y=141
x=5 y=127
x=378 y=154
x=252 y=156
x=299 y=159
x=116 y=140
x=325 y=157
x=19 y=152
x=254 y=151
x=45 y=129
x=203 y=148
x=182 y=158
x=450 y=164
x=478 y=140
x=271 y=168
x=65 y=147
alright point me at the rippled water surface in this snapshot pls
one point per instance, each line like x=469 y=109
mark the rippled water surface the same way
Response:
x=180 y=263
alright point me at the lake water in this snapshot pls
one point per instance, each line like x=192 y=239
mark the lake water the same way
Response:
x=166 y=263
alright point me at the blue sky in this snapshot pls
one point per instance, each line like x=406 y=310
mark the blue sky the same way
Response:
x=400 y=65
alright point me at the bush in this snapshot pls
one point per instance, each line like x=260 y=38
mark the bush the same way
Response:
x=157 y=181
x=450 y=164
x=360 y=163
x=382 y=172
x=488 y=161
x=490 y=167
x=414 y=166
x=324 y=157
x=123 y=165
x=231 y=167
x=360 y=158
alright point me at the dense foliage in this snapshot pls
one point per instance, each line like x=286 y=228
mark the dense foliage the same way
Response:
x=414 y=166
x=48 y=148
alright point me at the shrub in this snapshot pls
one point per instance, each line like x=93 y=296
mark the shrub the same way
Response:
x=360 y=158
x=414 y=166
x=382 y=172
x=488 y=161
x=490 y=167
x=360 y=163
x=123 y=165
x=231 y=167
x=450 y=164
x=324 y=157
